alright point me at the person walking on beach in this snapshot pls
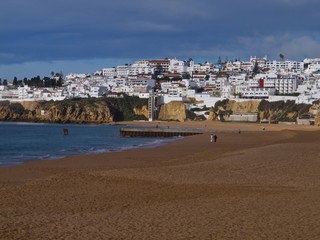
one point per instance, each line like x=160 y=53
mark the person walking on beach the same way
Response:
x=215 y=138
x=211 y=137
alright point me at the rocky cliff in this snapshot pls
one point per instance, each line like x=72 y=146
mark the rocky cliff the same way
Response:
x=128 y=108
x=173 y=111
x=56 y=112
x=73 y=111
x=266 y=111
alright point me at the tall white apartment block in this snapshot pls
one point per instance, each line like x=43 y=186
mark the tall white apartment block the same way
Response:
x=285 y=65
x=122 y=71
x=176 y=66
x=141 y=67
x=109 y=72
x=286 y=84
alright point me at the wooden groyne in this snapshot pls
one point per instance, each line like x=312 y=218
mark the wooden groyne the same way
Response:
x=157 y=132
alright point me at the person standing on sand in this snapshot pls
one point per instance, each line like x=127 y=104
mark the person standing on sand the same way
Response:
x=211 y=137
x=215 y=138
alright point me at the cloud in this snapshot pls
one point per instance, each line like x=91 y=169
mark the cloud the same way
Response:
x=64 y=30
x=293 y=46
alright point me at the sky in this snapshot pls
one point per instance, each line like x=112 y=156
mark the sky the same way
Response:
x=38 y=37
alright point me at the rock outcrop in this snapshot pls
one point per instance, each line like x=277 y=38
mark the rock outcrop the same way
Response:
x=266 y=111
x=109 y=110
x=57 y=112
x=173 y=111
x=141 y=111
x=74 y=111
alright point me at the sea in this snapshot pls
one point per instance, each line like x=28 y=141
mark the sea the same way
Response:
x=21 y=142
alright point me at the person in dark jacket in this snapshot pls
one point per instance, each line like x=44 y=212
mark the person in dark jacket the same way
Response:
x=215 y=137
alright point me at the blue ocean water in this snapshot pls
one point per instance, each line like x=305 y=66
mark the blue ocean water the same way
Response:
x=20 y=142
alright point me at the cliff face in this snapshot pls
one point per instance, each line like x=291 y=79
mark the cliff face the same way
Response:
x=264 y=110
x=173 y=111
x=74 y=111
x=105 y=111
x=315 y=111
x=244 y=107
x=282 y=111
x=269 y=111
x=143 y=111
x=229 y=107
x=57 y=112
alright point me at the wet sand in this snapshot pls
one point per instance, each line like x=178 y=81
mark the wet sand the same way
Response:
x=253 y=185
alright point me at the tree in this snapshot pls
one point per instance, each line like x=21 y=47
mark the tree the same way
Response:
x=255 y=69
x=0 y=81
x=5 y=82
x=59 y=82
x=281 y=56
x=219 y=60
x=15 y=81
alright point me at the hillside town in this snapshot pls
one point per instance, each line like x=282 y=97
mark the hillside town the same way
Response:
x=179 y=80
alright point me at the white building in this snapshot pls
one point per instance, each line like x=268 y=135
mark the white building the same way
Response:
x=286 y=85
x=256 y=93
x=312 y=65
x=109 y=72
x=176 y=66
x=291 y=66
x=237 y=79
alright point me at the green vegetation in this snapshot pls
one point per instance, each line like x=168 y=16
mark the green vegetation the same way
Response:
x=54 y=81
x=17 y=108
x=122 y=108
x=4 y=103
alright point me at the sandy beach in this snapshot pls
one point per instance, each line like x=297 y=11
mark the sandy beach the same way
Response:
x=254 y=185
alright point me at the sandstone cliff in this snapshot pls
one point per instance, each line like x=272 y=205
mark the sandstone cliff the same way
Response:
x=128 y=108
x=74 y=111
x=315 y=111
x=143 y=111
x=173 y=111
x=266 y=111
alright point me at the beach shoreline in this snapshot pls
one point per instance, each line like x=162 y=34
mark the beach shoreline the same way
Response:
x=259 y=184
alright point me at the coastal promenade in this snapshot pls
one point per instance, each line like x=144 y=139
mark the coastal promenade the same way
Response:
x=254 y=185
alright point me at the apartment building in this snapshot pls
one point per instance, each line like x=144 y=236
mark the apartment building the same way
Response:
x=285 y=65
x=286 y=84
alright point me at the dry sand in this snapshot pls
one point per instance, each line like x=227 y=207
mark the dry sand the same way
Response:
x=253 y=185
